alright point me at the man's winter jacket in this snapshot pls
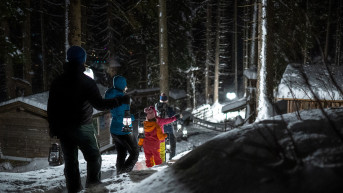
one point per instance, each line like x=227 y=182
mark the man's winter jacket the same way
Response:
x=165 y=111
x=72 y=97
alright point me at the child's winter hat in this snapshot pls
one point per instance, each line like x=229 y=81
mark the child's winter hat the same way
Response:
x=163 y=98
x=150 y=112
x=76 y=54
x=119 y=82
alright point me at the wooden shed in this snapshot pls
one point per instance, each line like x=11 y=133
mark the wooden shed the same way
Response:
x=24 y=127
x=311 y=86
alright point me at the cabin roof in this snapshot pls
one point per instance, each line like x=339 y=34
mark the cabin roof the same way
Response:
x=39 y=100
x=235 y=105
x=325 y=84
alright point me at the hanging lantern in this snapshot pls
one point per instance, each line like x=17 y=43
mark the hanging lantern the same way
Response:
x=127 y=122
x=141 y=131
x=184 y=133
x=55 y=155
x=179 y=126
x=167 y=146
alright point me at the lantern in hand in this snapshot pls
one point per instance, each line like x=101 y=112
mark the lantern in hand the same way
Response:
x=167 y=145
x=127 y=122
x=184 y=133
x=141 y=131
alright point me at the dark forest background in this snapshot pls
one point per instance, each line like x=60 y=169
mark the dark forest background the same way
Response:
x=121 y=37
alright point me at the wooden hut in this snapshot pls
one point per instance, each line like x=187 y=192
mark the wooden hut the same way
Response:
x=248 y=102
x=24 y=127
x=311 y=86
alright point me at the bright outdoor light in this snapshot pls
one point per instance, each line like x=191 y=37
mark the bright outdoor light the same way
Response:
x=230 y=95
x=179 y=126
x=89 y=72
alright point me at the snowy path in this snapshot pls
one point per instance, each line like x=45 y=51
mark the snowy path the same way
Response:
x=51 y=179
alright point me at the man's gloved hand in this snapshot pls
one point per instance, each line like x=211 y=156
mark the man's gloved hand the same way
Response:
x=124 y=99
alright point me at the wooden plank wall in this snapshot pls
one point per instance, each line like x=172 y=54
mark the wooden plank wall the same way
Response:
x=24 y=134
x=103 y=127
x=294 y=105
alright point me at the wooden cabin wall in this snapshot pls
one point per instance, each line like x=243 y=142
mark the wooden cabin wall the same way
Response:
x=24 y=134
x=103 y=123
x=294 y=105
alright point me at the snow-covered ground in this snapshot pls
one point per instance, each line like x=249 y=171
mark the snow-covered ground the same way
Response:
x=297 y=152
x=291 y=153
x=38 y=176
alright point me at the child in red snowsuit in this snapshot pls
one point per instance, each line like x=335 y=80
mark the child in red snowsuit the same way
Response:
x=153 y=137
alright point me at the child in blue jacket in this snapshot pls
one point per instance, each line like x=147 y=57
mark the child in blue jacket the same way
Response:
x=125 y=142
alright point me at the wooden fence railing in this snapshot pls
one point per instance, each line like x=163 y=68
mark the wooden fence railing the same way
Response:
x=213 y=126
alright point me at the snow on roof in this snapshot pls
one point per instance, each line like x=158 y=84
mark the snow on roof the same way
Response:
x=293 y=84
x=234 y=105
x=39 y=100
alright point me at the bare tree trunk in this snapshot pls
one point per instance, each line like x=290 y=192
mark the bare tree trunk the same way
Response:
x=264 y=107
x=27 y=71
x=163 y=47
x=208 y=50
x=253 y=36
x=216 y=63
x=259 y=48
x=193 y=79
x=338 y=34
x=235 y=47
x=246 y=42
x=75 y=23
x=189 y=87
x=111 y=70
x=8 y=67
x=327 y=33
x=44 y=73
x=305 y=50
x=66 y=43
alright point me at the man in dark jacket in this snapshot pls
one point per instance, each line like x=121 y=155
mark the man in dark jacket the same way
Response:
x=165 y=111
x=72 y=97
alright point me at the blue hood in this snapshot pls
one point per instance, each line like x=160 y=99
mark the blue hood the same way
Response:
x=119 y=83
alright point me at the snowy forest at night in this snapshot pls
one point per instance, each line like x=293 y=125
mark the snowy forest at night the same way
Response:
x=260 y=82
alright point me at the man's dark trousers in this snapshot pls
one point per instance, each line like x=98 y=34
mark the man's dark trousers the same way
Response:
x=172 y=139
x=82 y=138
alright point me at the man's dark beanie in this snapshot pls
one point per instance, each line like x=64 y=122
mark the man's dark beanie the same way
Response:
x=76 y=54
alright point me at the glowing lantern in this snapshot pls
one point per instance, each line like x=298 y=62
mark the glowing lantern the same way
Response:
x=127 y=122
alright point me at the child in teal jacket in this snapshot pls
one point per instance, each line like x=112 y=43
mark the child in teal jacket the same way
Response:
x=124 y=142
